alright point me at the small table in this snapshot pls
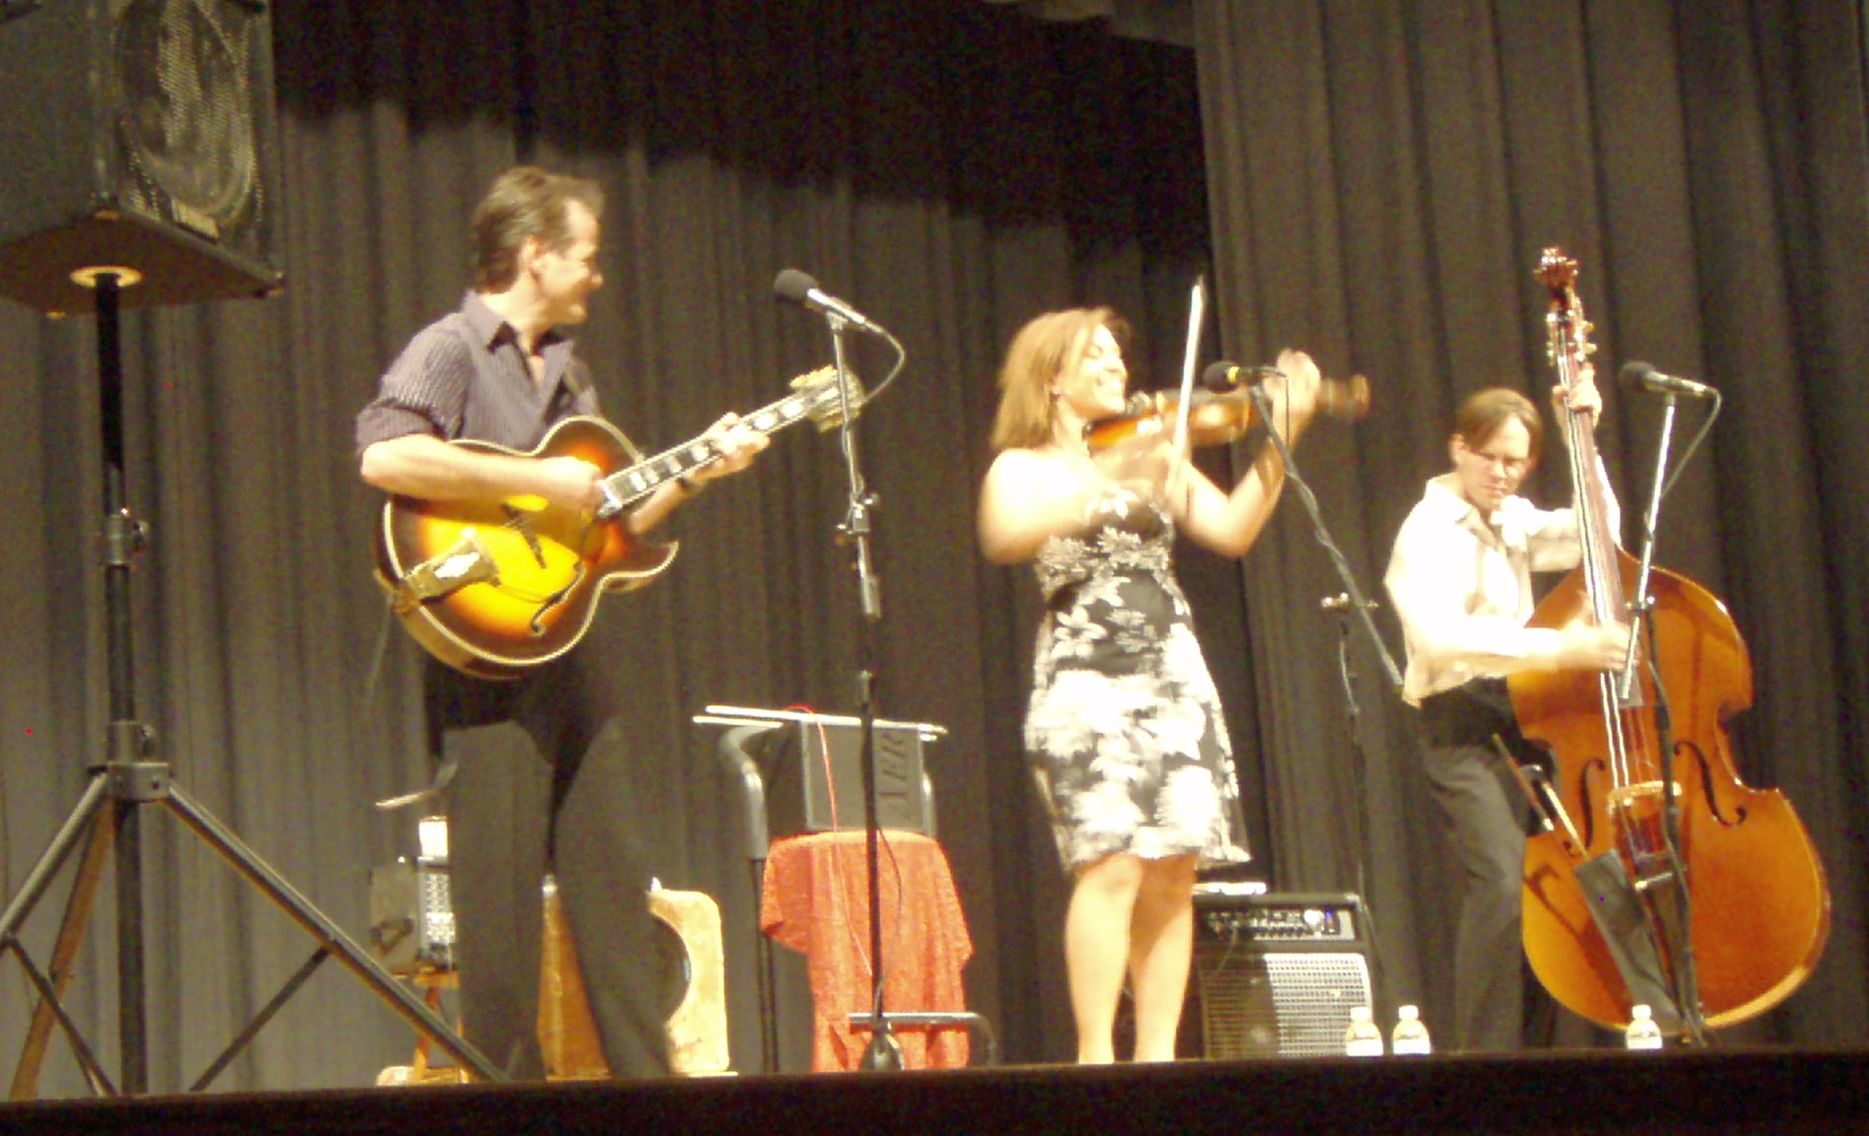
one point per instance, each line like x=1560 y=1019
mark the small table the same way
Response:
x=816 y=900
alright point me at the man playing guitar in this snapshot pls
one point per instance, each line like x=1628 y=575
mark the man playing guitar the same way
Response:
x=498 y=371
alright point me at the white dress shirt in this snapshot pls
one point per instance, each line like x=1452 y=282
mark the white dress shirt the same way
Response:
x=1462 y=585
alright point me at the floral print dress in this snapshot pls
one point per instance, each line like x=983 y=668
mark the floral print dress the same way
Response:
x=1124 y=730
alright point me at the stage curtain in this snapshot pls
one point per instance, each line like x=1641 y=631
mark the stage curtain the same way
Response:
x=1383 y=177
x=950 y=169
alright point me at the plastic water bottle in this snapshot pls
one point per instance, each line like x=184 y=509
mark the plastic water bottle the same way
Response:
x=1410 y=1038
x=1642 y=1033
x=1362 y=1039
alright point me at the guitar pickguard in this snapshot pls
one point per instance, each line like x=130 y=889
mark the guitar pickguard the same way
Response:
x=463 y=563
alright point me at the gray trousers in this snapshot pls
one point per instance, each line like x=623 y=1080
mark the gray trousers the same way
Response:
x=1488 y=819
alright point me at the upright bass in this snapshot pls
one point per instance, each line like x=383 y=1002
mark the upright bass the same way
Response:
x=1660 y=877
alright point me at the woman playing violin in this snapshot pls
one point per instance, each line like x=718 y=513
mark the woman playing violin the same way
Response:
x=1460 y=579
x=1124 y=730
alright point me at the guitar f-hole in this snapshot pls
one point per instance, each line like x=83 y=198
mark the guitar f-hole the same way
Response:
x=537 y=623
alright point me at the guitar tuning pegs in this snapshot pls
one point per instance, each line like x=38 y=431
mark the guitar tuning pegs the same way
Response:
x=811 y=379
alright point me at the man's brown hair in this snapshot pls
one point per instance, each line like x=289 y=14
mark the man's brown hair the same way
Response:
x=1482 y=414
x=525 y=202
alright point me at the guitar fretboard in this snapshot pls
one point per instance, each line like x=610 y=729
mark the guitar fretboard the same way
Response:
x=630 y=485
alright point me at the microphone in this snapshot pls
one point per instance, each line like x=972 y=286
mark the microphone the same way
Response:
x=1223 y=376
x=1640 y=374
x=800 y=288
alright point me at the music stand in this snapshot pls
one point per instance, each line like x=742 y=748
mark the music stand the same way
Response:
x=108 y=810
x=748 y=728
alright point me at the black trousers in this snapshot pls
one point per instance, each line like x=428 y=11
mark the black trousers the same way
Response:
x=543 y=784
x=1498 y=1005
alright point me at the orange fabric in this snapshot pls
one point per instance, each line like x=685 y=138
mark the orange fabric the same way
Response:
x=816 y=900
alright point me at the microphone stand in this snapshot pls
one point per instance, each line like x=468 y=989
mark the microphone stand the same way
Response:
x=1352 y=600
x=884 y=1052
x=1356 y=601
x=1642 y=612
x=1342 y=604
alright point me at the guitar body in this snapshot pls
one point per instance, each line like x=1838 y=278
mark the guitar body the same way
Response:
x=496 y=586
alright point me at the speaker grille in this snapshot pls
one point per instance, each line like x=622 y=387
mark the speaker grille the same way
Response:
x=1276 y=975
x=183 y=104
x=1286 y=1005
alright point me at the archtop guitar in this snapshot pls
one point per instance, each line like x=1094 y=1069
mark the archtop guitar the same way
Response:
x=496 y=586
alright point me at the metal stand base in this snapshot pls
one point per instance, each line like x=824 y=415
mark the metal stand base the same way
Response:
x=937 y=1020
x=129 y=778
x=107 y=808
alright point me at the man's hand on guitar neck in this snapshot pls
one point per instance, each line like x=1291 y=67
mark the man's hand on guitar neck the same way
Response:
x=736 y=444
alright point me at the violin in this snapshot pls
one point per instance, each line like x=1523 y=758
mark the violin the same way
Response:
x=1215 y=417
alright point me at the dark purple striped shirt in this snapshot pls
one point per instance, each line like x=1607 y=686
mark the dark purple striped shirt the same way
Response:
x=465 y=376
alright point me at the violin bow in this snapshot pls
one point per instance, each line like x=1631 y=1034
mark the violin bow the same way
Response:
x=1197 y=307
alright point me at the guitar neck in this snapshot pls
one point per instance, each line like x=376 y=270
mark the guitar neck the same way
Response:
x=628 y=486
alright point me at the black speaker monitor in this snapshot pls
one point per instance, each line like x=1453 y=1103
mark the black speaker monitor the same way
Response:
x=141 y=138
x=1275 y=975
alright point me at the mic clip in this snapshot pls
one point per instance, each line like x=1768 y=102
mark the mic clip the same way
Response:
x=1224 y=378
x=1342 y=602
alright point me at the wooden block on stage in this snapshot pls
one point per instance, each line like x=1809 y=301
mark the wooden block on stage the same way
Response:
x=697 y=1030
x=697 y=1027
x=567 y=1034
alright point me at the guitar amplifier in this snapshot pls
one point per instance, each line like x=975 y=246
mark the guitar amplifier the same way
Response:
x=1274 y=975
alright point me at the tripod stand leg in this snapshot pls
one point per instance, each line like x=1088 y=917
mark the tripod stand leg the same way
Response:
x=51 y=1006
x=71 y=929
x=328 y=934
x=53 y=857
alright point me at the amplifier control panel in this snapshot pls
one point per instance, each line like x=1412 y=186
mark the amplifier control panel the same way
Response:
x=1274 y=918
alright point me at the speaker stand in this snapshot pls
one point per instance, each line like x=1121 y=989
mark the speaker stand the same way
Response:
x=109 y=810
